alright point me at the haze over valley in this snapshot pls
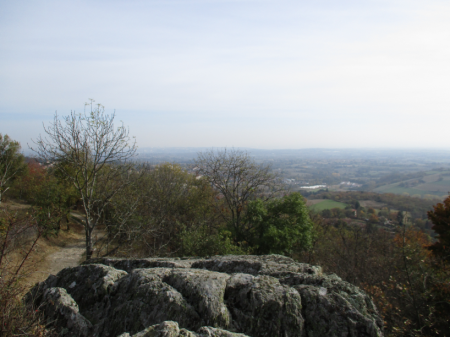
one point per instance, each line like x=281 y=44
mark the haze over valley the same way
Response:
x=225 y=168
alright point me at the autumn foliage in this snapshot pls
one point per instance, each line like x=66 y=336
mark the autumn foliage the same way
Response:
x=408 y=283
x=440 y=217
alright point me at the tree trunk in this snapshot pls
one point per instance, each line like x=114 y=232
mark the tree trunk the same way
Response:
x=89 y=244
x=67 y=221
x=238 y=226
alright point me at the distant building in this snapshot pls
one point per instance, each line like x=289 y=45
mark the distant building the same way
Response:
x=350 y=184
x=313 y=187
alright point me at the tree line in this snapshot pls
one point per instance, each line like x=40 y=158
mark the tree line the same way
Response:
x=227 y=204
x=405 y=272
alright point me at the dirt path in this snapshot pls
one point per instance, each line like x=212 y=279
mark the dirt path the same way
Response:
x=53 y=254
x=66 y=250
x=68 y=256
x=71 y=255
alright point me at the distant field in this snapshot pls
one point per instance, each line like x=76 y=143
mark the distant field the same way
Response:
x=371 y=204
x=394 y=188
x=325 y=204
x=401 y=190
x=431 y=187
x=438 y=187
x=436 y=183
x=311 y=202
x=442 y=182
x=432 y=172
x=430 y=178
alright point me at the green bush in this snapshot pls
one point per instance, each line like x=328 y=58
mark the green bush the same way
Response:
x=279 y=226
x=203 y=242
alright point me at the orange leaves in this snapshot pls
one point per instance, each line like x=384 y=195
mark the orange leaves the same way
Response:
x=412 y=237
x=379 y=297
x=35 y=168
x=440 y=217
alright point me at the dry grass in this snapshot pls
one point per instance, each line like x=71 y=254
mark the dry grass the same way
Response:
x=14 y=205
x=37 y=267
x=18 y=238
x=24 y=260
x=46 y=247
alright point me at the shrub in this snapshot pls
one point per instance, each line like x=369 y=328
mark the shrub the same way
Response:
x=203 y=242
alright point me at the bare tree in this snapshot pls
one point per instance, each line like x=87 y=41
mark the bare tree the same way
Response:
x=11 y=162
x=239 y=179
x=92 y=154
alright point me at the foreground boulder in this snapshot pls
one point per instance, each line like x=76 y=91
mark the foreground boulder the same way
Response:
x=225 y=296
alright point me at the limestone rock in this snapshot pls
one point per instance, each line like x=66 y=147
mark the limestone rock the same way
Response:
x=261 y=306
x=331 y=305
x=208 y=331
x=227 y=296
x=171 y=329
x=143 y=299
x=59 y=305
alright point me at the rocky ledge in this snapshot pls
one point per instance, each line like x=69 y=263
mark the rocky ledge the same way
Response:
x=225 y=296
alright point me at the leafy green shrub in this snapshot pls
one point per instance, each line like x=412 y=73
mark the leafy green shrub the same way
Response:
x=279 y=226
x=201 y=242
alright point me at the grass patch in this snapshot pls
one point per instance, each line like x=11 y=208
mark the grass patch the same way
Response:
x=328 y=204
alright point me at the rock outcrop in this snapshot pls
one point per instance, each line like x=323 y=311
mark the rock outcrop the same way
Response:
x=220 y=296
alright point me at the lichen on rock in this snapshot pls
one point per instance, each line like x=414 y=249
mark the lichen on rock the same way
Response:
x=227 y=296
x=60 y=308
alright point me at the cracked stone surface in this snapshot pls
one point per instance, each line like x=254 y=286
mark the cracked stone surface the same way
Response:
x=227 y=296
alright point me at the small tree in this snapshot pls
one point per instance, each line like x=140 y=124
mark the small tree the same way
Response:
x=280 y=226
x=440 y=217
x=11 y=162
x=239 y=179
x=92 y=154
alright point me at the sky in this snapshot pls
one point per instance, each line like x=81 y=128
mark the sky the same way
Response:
x=233 y=73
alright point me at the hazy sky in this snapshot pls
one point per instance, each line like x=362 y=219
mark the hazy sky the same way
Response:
x=256 y=73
